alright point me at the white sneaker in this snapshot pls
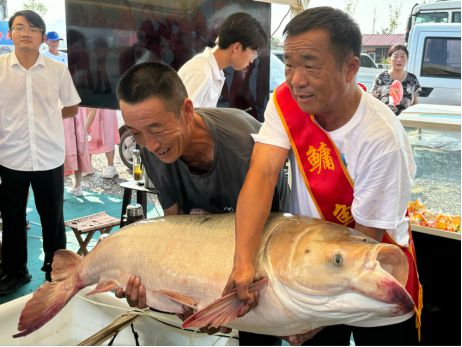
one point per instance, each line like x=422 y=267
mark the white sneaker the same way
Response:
x=76 y=191
x=109 y=172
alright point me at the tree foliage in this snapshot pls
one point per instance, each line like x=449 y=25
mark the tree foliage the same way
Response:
x=350 y=6
x=36 y=5
x=276 y=42
x=393 y=19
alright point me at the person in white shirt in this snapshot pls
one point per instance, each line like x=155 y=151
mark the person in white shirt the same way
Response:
x=350 y=158
x=32 y=88
x=53 y=44
x=239 y=39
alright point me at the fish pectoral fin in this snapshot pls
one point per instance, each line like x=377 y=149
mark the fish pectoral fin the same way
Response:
x=177 y=297
x=104 y=286
x=221 y=311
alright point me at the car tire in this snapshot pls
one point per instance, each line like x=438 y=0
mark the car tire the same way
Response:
x=126 y=146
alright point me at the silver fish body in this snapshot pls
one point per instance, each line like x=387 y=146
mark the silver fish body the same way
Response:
x=319 y=273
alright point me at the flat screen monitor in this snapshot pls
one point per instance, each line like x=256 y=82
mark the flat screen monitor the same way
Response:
x=106 y=37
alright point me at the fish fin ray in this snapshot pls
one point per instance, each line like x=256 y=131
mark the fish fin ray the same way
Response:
x=104 y=286
x=64 y=263
x=221 y=311
x=177 y=297
x=51 y=297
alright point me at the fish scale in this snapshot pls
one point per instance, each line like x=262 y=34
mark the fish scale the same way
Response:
x=187 y=259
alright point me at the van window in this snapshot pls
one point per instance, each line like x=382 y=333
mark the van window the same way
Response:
x=367 y=61
x=441 y=57
x=433 y=17
x=456 y=17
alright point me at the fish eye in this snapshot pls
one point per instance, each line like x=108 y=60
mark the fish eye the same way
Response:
x=338 y=259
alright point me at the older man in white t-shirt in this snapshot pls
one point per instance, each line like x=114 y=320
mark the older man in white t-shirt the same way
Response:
x=32 y=88
x=350 y=158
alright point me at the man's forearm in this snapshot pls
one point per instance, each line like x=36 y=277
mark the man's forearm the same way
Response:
x=70 y=111
x=252 y=211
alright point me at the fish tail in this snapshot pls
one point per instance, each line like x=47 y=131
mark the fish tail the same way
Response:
x=51 y=297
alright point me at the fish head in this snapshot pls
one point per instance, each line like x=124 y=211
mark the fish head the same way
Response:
x=323 y=259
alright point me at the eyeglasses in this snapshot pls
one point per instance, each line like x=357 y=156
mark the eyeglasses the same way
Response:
x=22 y=29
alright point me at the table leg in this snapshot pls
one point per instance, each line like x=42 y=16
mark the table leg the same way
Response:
x=143 y=201
x=126 y=200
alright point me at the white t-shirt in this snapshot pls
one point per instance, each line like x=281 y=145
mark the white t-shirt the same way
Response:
x=61 y=57
x=203 y=78
x=31 y=123
x=378 y=157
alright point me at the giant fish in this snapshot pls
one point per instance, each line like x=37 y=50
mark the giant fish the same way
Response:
x=316 y=273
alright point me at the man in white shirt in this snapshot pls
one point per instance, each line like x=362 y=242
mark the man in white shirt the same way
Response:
x=350 y=158
x=239 y=39
x=32 y=88
x=52 y=51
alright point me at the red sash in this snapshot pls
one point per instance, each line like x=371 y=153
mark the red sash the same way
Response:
x=322 y=168
x=327 y=178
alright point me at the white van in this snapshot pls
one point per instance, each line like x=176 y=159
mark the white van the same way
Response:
x=434 y=57
x=368 y=70
x=434 y=12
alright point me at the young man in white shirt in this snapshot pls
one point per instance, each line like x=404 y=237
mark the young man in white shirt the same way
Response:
x=239 y=39
x=32 y=146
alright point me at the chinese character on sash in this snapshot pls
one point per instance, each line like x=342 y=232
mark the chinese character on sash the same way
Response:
x=343 y=214
x=320 y=158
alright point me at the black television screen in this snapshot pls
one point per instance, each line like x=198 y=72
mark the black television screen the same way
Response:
x=107 y=37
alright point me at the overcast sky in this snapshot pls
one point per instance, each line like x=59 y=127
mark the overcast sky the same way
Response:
x=364 y=12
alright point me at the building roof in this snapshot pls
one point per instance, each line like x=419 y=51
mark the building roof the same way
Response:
x=382 y=40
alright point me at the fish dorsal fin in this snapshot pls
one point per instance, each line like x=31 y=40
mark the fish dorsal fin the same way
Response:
x=104 y=286
x=177 y=297
x=221 y=311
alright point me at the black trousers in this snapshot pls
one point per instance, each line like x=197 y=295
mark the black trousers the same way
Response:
x=402 y=334
x=48 y=188
x=251 y=339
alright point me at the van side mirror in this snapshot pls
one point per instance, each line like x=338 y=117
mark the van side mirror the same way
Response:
x=379 y=66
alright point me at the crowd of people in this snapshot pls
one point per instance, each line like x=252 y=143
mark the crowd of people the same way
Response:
x=350 y=159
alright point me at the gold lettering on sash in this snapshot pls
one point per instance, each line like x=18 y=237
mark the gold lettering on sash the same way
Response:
x=343 y=214
x=320 y=158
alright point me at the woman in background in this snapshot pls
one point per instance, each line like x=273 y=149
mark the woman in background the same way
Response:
x=77 y=160
x=103 y=131
x=398 y=96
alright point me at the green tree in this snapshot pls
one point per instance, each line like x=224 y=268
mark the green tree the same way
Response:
x=3 y=12
x=36 y=5
x=350 y=6
x=393 y=21
x=276 y=42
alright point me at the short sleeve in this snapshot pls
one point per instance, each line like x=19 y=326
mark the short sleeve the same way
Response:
x=382 y=189
x=197 y=86
x=67 y=93
x=272 y=131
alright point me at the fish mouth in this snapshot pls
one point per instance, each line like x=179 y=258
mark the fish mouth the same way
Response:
x=385 y=276
x=391 y=259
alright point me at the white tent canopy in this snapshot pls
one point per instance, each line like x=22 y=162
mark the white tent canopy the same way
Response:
x=296 y=6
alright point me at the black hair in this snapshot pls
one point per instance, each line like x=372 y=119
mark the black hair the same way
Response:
x=243 y=28
x=32 y=17
x=343 y=30
x=150 y=79
x=395 y=48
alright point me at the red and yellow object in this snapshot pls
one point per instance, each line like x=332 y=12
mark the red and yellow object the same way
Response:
x=420 y=215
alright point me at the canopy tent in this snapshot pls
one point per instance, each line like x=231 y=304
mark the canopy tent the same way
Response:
x=296 y=6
